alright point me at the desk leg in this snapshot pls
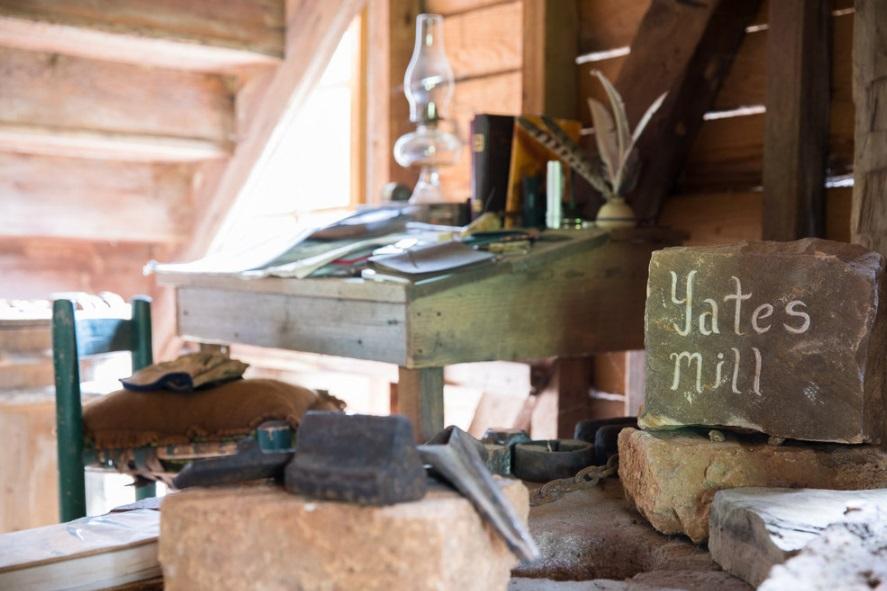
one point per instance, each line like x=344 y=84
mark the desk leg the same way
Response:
x=420 y=399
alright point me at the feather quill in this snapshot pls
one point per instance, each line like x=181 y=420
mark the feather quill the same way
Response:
x=606 y=137
x=621 y=120
x=566 y=149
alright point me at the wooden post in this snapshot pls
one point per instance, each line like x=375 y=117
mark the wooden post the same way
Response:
x=551 y=44
x=420 y=399
x=797 y=119
x=685 y=48
x=391 y=29
x=868 y=219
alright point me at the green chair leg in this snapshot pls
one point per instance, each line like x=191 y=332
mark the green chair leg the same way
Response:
x=146 y=491
x=68 y=412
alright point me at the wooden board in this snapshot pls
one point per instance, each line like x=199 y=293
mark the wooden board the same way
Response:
x=484 y=41
x=609 y=24
x=722 y=218
x=44 y=91
x=38 y=267
x=78 y=198
x=796 y=126
x=202 y=34
x=451 y=7
x=869 y=216
x=549 y=85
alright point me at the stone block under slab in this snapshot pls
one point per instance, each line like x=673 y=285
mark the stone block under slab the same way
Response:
x=672 y=477
x=261 y=537
x=753 y=529
x=785 y=338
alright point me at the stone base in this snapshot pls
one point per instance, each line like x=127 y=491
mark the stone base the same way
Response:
x=672 y=477
x=752 y=529
x=262 y=537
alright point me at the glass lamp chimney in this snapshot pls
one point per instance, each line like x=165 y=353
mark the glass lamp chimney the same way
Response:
x=428 y=81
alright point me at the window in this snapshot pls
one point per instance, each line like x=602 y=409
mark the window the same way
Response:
x=309 y=167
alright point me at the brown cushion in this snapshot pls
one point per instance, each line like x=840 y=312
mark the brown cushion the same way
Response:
x=126 y=419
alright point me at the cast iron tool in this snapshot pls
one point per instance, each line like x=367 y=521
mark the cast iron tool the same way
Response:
x=544 y=460
x=604 y=435
x=454 y=457
x=359 y=459
x=264 y=456
x=499 y=443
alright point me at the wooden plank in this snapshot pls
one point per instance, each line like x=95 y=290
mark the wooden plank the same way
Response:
x=572 y=381
x=869 y=213
x=491 y=94
x=38 y=267
x=483 y=41
x=796 y=124
x=345 y=328
x=728 y=153
x=610 y=24
x=551 y=35
x=74 y=96
x=686 y=50
x=723 y=218
x=78 y=198
x=452 y=7
x=746 y=82
x=391 y=29
x=420 y=399
x=198 y=34
x=581 y=303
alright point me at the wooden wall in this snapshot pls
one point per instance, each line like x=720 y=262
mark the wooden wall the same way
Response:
x=718 y=198
x=484 y=43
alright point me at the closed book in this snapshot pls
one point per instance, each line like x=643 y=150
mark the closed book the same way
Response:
x=491 y=137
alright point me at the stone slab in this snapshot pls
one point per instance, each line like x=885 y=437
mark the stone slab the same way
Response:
x=785 y=338
x=753 y=529
x=261 y=537
x=850 y=555
x=672 y=477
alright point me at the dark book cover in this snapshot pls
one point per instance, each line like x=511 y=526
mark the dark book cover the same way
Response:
x=491 y=137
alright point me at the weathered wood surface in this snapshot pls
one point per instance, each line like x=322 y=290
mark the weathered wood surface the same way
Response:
x=78 y=198
x=753 y=529
x=610 y=24
x=720 y=218
x=869 y=215
x=347 y=328
x=198 y=34
x=796 y=123
x=420 y=399
x=28 y=460
x=36 y=267
x=484 y=41
x=91 y=100
x=685 y=50
x=551 y=31
x=574 y=296
x=728 y=152
x=453 y=7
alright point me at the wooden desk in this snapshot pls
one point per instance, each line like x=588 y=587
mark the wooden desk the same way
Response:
x=565 y=298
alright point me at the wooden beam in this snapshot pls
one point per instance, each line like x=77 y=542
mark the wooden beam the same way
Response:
x=391 y=28
x=797 y=119
x=869 y=210
x=420 y=399
x=197 y=34
x=88 y=102
x=551 y=41
x=685 y=49
x=89 y=199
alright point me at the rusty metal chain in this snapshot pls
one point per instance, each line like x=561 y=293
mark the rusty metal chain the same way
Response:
x=588 y=477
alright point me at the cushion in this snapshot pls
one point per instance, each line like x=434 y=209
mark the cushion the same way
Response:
x=126 y=419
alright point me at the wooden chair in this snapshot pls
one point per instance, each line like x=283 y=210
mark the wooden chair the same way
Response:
x=71 y=339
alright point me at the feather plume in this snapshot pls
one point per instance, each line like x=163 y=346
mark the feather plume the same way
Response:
x=618 y=107
x=606 y=137
x=566 y=149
